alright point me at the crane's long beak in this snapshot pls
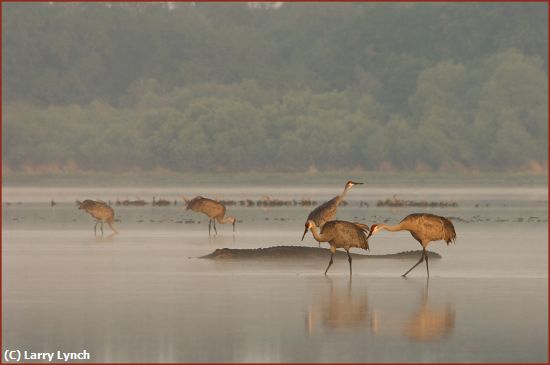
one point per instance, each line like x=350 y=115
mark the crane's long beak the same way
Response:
x=305 y=231
x=357 y=183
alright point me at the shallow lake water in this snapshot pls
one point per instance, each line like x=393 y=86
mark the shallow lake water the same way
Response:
x=145 y=296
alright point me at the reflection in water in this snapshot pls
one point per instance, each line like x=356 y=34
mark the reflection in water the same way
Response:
x=342 y=310
x=345 y=310
x=108 y=238
x=144 y=301
x=430 y=322
x=220 y=240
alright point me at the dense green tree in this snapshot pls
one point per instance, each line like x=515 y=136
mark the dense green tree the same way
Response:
x=227 y=86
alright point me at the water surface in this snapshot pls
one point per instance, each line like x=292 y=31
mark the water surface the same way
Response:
x=143 y=296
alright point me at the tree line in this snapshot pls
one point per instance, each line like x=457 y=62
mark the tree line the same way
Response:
x=230 y=87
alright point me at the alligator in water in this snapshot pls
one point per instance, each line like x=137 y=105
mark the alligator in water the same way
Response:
x=301 y=253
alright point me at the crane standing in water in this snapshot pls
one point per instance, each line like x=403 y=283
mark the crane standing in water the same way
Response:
x=425 y=228
x=213 y=209
x=326 y=211
x=341 y=234
x=100 y=211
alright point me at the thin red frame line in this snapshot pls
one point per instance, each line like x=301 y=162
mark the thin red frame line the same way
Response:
x=290 y=1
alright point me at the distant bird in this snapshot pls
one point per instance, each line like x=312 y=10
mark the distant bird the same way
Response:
x=425 y=228
x=213 y=209
x=341 y=234
x=100 y=211
x=326 y=211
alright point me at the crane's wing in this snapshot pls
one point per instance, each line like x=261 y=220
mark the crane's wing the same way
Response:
x=195 y=203
x=207 y=206
x=349 y=231
x=431 y=226
x=362 y=227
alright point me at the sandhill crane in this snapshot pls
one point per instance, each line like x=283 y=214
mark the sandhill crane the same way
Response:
x=326 y=211
x=425 y=228
x=341 y=234
x=213 y=209
x=100 y=211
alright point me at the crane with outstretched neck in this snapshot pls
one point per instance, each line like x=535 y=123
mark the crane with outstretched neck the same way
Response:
x=424 y=228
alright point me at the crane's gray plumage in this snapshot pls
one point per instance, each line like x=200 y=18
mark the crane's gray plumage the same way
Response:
x=213 y=209
x=425 y=228
x=341 y=234
x=326 y=211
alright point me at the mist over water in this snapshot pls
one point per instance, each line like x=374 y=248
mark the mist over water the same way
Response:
x=262 y=102
x=143 y=295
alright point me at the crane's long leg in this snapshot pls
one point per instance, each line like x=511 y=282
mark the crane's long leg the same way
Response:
x=426 y=256
x=101 y=228
x=95 y=227
x=349 y=260
x=329 y=263
x=319 y=242
x=209 y=227
x=419 y=261
x=215 y=230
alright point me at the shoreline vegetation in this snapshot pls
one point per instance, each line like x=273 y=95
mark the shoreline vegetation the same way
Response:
x=205 y=87
x=329 y=178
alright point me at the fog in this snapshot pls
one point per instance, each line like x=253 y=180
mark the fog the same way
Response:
x=145 y=295
x=269 y=108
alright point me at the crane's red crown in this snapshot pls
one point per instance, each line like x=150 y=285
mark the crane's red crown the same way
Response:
x=371 y=230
